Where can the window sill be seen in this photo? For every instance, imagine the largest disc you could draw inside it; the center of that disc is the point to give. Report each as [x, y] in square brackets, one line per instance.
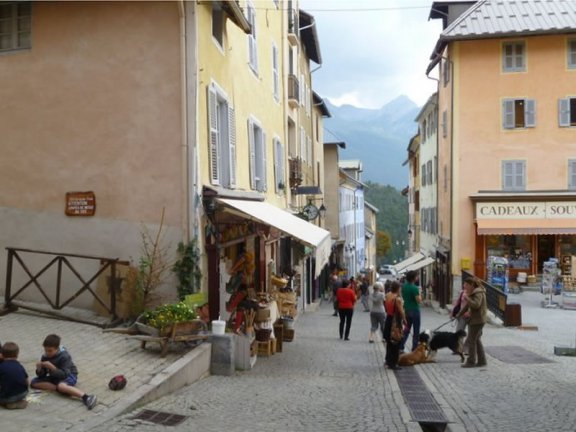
[14, 51]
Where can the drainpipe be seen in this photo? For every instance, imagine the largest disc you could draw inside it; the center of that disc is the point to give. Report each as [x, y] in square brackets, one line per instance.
[184, 124]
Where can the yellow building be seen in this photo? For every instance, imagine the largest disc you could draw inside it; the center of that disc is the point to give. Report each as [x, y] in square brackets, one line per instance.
[506, 143]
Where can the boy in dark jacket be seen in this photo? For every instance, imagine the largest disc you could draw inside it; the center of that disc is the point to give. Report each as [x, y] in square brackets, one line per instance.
[13, 379]
[56, 371]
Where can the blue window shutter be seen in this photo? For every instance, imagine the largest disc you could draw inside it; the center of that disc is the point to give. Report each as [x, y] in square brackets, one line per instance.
[507, 175]
[529, 113]
[564, 112]
[572, 174]
[263, 170]
[252, 154]
[520, 175]
[508, 113]
[213, 136]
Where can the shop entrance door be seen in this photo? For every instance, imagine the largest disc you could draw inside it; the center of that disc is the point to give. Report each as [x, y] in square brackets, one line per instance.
[545, 250]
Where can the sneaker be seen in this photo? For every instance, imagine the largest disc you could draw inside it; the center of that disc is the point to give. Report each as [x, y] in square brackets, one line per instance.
[468, 365]
[90, 401]
[17, 405]
[371, 341]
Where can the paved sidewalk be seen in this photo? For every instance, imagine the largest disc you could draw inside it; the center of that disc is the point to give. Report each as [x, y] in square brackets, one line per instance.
[318, 383]
[98, 356]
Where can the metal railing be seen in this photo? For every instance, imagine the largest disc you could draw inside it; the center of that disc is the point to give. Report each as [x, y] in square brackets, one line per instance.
[293, 88]
[496, 298]
[55, 299]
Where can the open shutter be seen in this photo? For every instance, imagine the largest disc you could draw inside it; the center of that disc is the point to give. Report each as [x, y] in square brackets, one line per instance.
[252, 155]
[213, 136]
[423, 175]
[302, 144]
[564, 112]
[520, 175]
[263, 166]
[232, 145]
[572, 174]
[281, 166]
[529, 113]
[507, 175]
[276, 80]
[444, 123]
[508, 113]
[276, 164]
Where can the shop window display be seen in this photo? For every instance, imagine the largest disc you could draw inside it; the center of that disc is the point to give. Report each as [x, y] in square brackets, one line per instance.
[567, 245]
[515, 248]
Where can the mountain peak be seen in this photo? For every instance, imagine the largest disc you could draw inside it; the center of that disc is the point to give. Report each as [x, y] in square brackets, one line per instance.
[402, 101]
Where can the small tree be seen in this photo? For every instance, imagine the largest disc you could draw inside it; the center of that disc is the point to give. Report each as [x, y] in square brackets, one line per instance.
[187, 269]
[383, 243]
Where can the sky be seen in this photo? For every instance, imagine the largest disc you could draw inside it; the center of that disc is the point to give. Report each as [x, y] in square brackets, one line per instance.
[373, 50]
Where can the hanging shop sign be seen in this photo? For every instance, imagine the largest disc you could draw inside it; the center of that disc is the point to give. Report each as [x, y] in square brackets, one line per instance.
[526, 210]
[80, 204]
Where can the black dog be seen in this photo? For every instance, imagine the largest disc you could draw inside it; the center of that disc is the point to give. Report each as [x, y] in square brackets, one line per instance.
[454, 341]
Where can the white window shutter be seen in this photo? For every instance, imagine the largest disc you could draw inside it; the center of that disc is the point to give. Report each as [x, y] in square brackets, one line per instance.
[277, 180]
[264, 166]
[213, 135]
[275, 75]
[508, 114]
[302, 85]
[252, 155]
[564, 112]
[232, 145]
[302, 144]
[529, 113]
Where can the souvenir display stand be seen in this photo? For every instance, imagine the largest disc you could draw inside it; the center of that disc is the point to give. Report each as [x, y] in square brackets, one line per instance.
[498, 272]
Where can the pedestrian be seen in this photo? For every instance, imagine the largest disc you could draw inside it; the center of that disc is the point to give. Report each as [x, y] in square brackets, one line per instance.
[13, 378]
[475, 295]
[458, 304]
[335, 283]
[412, 300]
[57, 372]
[364, 292]
[394, 311]
[377, 312]
[353, 285]
[346, 300]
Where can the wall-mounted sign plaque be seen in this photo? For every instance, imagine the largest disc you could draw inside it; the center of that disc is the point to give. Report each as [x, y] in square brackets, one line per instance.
[80, 204]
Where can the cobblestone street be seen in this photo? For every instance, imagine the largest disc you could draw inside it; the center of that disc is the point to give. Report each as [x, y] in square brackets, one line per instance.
[323, 384]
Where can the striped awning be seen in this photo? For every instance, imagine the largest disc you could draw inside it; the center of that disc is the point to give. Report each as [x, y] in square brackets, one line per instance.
[526, 226]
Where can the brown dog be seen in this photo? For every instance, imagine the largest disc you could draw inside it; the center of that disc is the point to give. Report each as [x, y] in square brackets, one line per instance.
[419, 355]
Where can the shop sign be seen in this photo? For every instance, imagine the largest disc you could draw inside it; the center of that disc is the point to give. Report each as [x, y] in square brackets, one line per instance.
[526, 210]
[80, 204]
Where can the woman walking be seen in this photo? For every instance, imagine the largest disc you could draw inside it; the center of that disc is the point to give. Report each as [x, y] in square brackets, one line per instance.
[394, 316]
[475, 294]
[377, 312]
[346, 299]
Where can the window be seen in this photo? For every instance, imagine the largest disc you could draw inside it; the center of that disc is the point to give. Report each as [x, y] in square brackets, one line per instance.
[513, 57]
[218, 24]
[252, 42]
[279, 174]
[518, 113]
[302, 144]
[423, 175]
[446, 71]
[275, 74]
[429, 172]
[513, 175]
[15, 25]
[444, 123]
[567, 112]
[222, 141]
[257, 143]
[572, 53]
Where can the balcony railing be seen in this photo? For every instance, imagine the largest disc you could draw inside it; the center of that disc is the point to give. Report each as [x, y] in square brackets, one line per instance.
[293, 90]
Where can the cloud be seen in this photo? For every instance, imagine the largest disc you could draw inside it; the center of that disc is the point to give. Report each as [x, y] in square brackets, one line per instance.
[371, 57]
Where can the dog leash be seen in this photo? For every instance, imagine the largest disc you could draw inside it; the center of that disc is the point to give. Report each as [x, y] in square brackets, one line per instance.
[447, 322]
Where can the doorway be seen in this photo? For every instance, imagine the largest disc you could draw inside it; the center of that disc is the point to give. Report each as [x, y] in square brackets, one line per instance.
[546, 250]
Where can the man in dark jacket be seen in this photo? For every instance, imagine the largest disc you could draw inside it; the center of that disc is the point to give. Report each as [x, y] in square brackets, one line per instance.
[57, 372]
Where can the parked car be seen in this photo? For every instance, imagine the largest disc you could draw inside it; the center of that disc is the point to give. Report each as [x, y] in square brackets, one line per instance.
[386, 274]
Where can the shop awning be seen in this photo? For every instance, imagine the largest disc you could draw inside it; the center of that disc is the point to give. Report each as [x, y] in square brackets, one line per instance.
[526, 226]
[303, 231]
[401, 266]
[420, 264]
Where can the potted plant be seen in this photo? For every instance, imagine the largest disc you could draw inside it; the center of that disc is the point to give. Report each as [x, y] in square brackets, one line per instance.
[162, 320]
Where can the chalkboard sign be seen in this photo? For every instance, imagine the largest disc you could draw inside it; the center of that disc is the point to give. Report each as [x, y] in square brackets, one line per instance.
[80, 204]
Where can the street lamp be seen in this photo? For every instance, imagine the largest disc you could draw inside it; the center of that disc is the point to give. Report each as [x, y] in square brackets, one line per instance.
[322, 211]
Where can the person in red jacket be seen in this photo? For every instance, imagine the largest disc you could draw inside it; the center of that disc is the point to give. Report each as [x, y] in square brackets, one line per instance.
[346, 298]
